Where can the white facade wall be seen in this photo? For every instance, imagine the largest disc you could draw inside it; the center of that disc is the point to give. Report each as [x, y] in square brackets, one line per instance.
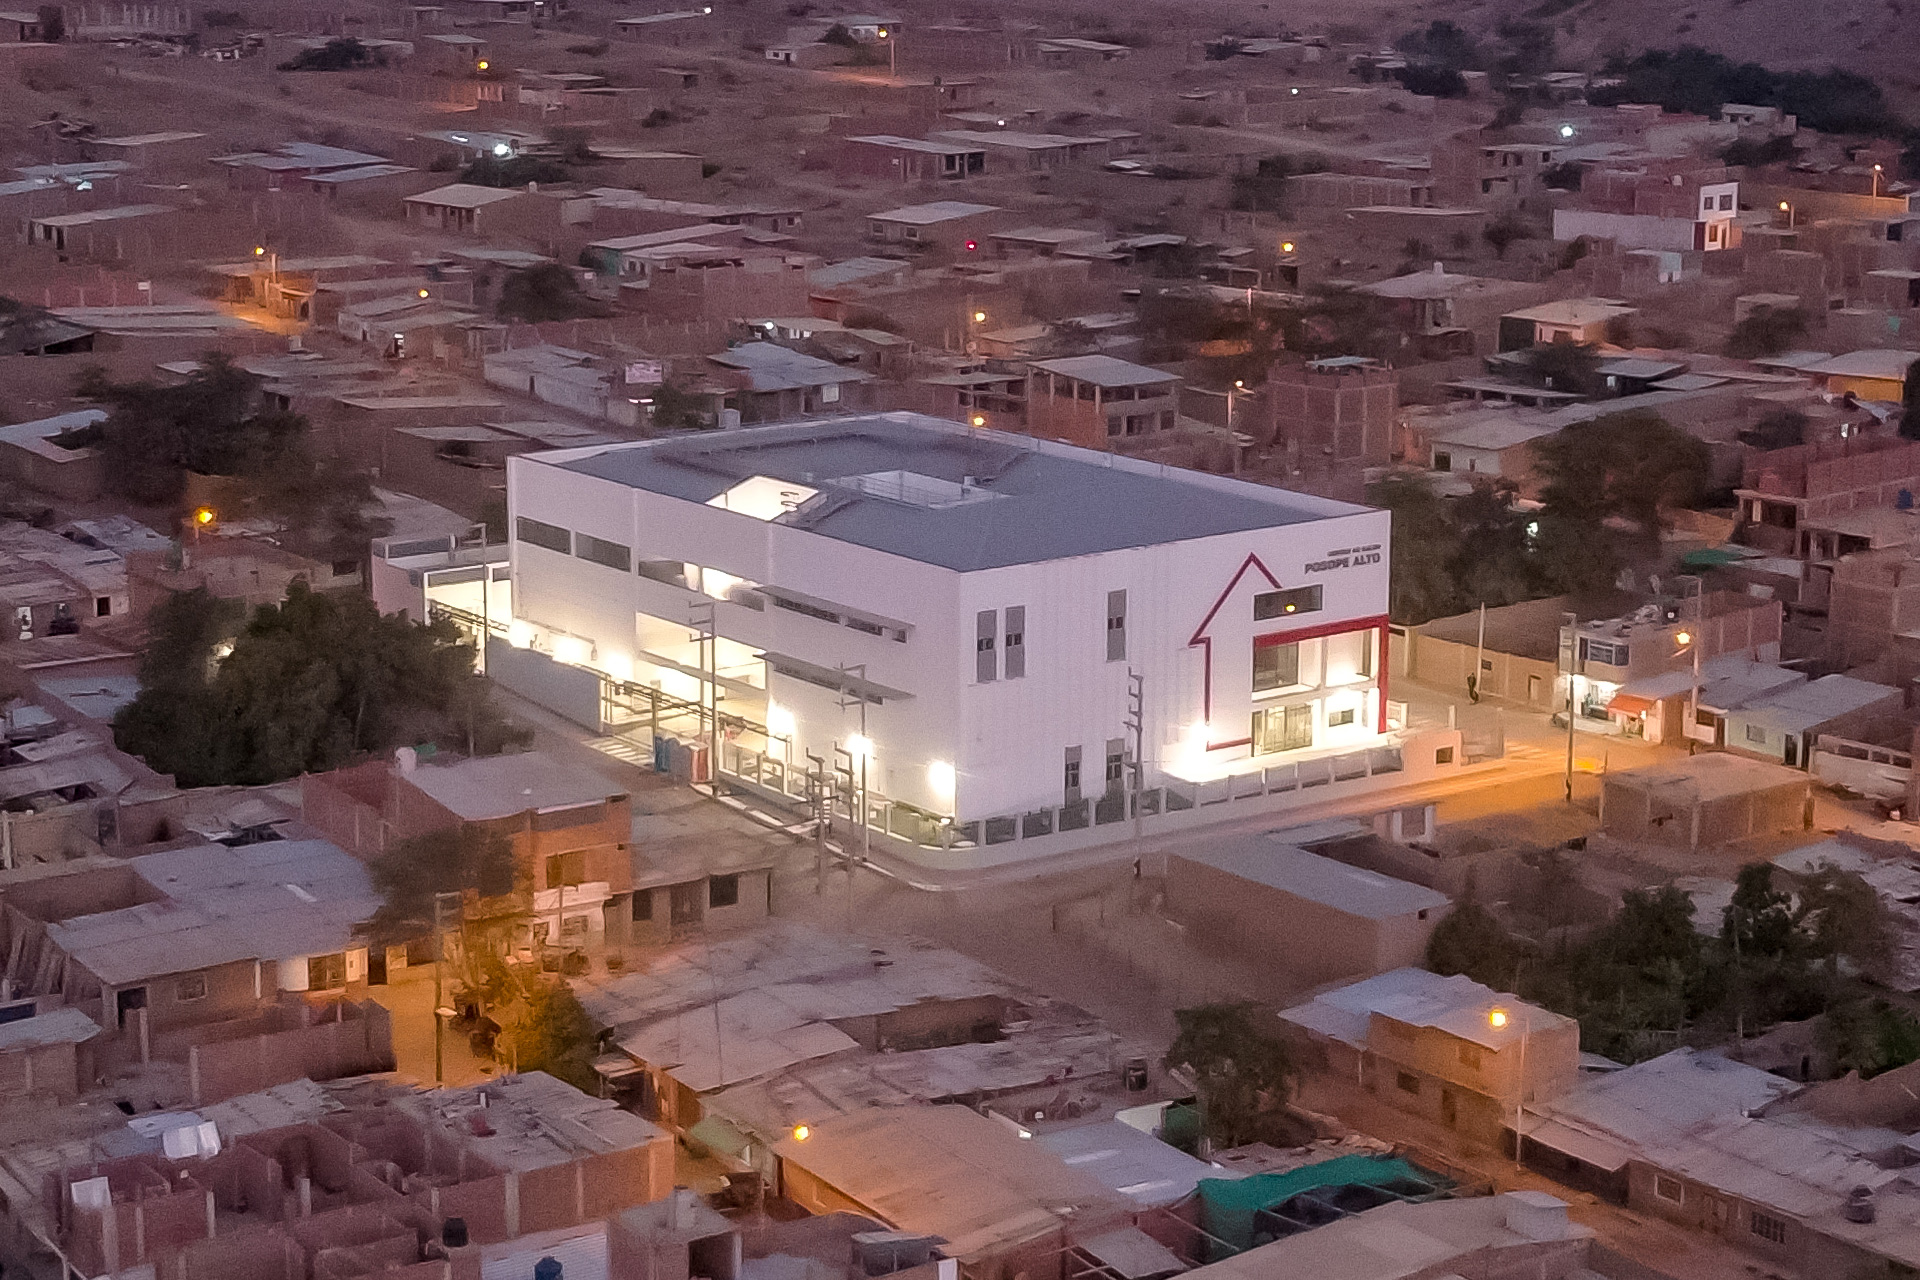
[1005, 740]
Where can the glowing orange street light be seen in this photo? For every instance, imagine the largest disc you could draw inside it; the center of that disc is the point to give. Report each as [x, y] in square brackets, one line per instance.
[203, 516]
[259, 251]
[979, 317]
[1286, 246]
[423, 293]
[482, 65]
[1497, 1019]
[801, 1133]
[979, 419]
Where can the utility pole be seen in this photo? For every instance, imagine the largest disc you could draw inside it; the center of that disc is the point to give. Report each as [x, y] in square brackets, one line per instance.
[1573, 660]
[859, 671]
[1479, 656]
[708, 635]
[1136, 724]
[821, 804]
[439, 988]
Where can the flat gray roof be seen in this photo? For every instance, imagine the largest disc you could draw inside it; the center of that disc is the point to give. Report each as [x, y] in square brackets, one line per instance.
[1106, 371]
[1039, 500]
[501, 786]
[271, 901]
[1267, 861]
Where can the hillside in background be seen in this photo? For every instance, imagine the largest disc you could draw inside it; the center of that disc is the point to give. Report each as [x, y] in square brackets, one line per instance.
[1877, 38]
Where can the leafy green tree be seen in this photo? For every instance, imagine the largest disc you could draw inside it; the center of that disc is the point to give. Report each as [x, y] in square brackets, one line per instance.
[1871, 1036]
[1759, 920]
[1766, 331]
[309, 685]
[677, 409]
[217, 423]
[545, 292]
[1502, 232]
[514, 171]
[1425, 543]
[1442, 44]
[544, 1028]
[1472, 942]
[1240, 1066]
[1845, 919]
[1429, 81]
[1632, 467]
[1692, 80]
[411, 873]
[1564, 366]
[1265, 189]
[343, 53]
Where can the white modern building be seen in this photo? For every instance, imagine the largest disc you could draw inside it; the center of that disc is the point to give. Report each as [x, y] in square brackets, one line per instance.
[967, 618]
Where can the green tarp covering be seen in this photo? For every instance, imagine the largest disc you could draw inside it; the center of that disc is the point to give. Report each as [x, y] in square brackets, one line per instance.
[1227, 1205]
[1713, 557]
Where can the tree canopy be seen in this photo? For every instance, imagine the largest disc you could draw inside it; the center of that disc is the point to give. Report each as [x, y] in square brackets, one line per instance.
[411, 873]
[1649, 979]
[545, 292]
[1695, 81]
[342, 53]
[217, 423]
[1242, 1069]
[308, 685]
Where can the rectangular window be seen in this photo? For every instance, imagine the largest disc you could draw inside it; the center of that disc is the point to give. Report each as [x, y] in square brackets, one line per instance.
[1116, 626]
[1605, 652]
[614, 555]
[1767, 1227]
[103, 605]
[1282, 729]
[1340, 719]
[1116, 763]
[1073, 774]
[327, 973]
[1756, 733]
[566, 869]
[1671, 1190]
[1726, 202]
[1015, 643]
[1275, 666]
[1442, 461]
[541, 534]
[1407, 1082]
[985, 624]
[1284, 604]
[192, 987]
[643, 904]
[723, 891]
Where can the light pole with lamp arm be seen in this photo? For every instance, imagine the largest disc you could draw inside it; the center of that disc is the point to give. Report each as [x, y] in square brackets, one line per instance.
[1498, 1019]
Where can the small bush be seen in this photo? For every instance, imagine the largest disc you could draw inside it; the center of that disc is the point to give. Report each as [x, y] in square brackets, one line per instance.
[344, 53]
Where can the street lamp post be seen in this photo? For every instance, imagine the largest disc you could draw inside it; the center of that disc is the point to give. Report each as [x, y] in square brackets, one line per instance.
[439, 989]
[1573, 660]
[1876, 182]
[1498, 1019]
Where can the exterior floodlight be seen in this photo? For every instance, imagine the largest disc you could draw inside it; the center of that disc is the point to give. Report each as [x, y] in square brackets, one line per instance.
[502, 149]
[1497, 1019]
